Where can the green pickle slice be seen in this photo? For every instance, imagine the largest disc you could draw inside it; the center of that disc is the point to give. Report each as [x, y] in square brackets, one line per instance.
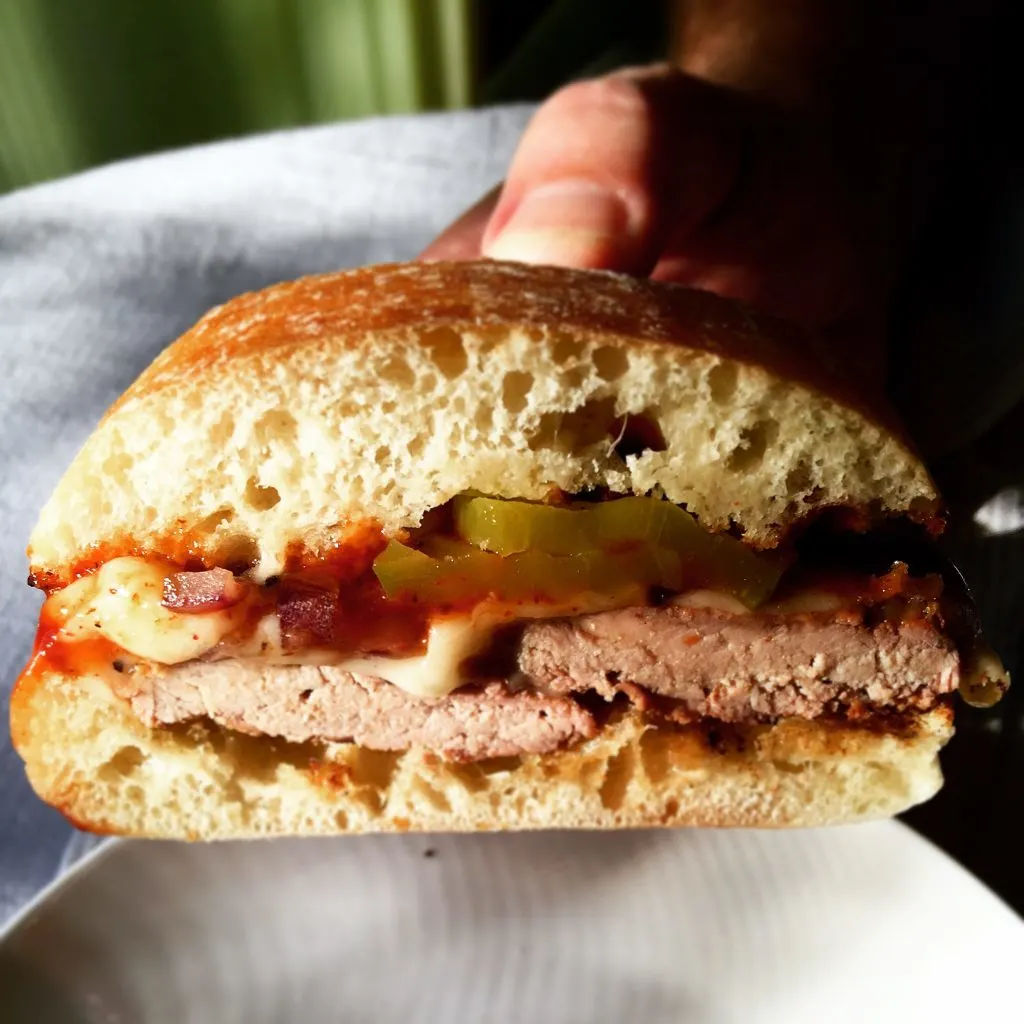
[509, 527]
[519, 551]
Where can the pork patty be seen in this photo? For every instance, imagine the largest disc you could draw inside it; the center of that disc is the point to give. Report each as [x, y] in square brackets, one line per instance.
[740, 667]
[710, 664]
[304, 702]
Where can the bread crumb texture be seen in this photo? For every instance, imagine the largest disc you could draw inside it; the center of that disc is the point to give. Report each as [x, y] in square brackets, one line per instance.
[291, 414]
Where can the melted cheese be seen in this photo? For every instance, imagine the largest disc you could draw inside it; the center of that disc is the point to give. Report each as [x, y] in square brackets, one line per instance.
[434, 674]
[454, 640]
[714, 600]
[451, 642]
[121, 601]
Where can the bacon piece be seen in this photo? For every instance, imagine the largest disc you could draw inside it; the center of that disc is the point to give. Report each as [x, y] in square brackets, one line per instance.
[307, 607]
[208, 591]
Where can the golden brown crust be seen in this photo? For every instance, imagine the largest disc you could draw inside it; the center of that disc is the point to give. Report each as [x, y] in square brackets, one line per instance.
[286, 416]
[388, 297]
[89, 756]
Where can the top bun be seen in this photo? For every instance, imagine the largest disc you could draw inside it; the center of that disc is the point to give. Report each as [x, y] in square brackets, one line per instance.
[286, 417]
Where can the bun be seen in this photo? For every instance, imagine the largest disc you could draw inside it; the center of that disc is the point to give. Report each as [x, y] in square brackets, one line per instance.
[88, 755]
[291, 415]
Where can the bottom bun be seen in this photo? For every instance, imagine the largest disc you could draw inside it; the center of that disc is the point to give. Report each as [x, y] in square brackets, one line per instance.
[88, 755]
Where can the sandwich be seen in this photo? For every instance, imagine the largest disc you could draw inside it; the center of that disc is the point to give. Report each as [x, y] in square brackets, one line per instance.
[478, 546]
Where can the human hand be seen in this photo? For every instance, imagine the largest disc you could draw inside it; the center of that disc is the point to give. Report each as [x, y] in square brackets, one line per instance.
[651, 171]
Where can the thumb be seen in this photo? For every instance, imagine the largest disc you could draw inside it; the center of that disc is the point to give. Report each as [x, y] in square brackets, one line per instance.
[607, 166]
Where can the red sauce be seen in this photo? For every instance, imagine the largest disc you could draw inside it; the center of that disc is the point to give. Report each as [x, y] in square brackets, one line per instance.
[321, 607]
[346, 559]
[50, 654]
[333, 599]
[859, 587]
[183, 549]
[189, 550]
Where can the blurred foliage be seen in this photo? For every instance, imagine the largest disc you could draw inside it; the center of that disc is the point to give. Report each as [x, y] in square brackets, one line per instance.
[83, 82]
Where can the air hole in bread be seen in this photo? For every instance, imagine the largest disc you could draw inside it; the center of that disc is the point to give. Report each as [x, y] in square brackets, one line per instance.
[117, 465]
[499, 765]
[397, 371]
[372, 799]
[617, 777]
[515, 390]
[375, 768]
[469, 775]
[566, 348]
[215, 519]
[798, 479]
[221, 431]
[258, 497]
[163, 420]
[722, 381]
[590, 423]
[233, 791]
[637, 435]
[341, 820]
[447, 351]
[545, 434]
[276, 426]
[238, 552]
[486, 339]
[123, 764]
[381, 455]
[610, 362]
[574, 376]
[754, 442]
[433, 796]
[476, 776]
[654, 755]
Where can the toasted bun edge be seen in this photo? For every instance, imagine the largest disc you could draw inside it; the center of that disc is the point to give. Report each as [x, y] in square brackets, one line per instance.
[287, 415]
[89, 756]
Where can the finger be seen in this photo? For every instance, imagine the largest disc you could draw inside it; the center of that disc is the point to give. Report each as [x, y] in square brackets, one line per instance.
[605, 164]
[461, 239]
[782, 240]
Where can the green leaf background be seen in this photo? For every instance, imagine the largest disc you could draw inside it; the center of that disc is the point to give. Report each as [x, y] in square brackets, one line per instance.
[83, 82]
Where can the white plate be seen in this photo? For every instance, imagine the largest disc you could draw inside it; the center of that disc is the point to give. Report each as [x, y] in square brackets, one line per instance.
[868, 923]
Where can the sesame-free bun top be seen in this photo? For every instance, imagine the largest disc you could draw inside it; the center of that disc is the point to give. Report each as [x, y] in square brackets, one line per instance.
[288, 416]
